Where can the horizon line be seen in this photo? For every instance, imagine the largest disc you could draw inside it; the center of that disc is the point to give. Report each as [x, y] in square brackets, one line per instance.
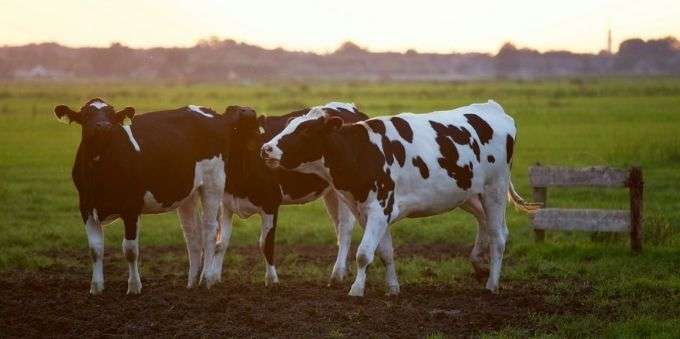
[325, 52]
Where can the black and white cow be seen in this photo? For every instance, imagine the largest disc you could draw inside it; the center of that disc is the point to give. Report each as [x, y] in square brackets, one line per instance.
[254, 188]
[165, 160]
[409, 166]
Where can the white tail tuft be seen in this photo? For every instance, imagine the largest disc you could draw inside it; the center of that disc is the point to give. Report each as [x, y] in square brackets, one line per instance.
[520, 203]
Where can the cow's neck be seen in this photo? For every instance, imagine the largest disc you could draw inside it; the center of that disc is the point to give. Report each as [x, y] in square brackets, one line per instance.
[342, 156]
[90, 164]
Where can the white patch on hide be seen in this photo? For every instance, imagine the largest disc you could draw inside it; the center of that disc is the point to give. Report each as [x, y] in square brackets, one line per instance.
[211, 167]
[98, 104]
[133, 141]
[198, 110]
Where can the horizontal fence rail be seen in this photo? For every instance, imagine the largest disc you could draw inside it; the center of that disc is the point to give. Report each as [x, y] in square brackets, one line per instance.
[582, 220]
[596, 176]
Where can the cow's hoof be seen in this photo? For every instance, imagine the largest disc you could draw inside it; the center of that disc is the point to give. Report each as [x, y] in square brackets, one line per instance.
[96, 287]
[337, 277]
[134, 286]
[192, 283]
[216, 274]
[392, 291]
[134, 289]
[271, 281]
[207, 279]
[493, 288]
[210, 282]
[356, 291]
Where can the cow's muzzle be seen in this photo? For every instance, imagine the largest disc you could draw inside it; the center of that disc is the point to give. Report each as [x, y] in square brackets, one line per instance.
[267, 154]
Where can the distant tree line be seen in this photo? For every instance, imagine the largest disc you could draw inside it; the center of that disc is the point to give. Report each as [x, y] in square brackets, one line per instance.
[216, 60]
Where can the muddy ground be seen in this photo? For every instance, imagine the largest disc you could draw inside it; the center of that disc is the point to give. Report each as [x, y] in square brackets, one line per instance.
[54, 301]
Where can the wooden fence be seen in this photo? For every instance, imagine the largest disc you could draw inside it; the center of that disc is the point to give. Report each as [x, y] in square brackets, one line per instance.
[600, 220]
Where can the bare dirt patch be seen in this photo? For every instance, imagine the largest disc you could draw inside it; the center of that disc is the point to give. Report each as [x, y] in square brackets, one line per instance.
[54, 302]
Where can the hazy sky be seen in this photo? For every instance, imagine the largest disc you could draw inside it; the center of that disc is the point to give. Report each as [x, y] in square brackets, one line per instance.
[426, 25]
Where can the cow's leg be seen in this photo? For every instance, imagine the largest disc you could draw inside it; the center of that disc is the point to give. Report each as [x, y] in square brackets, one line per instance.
[267, 242]
[344, 223]
[494, 200]
[222, 242]
[131, 253]
[376, 226]
[95, 239]
[481, 247]
[189, 217]
[211, 198]
[386, 252]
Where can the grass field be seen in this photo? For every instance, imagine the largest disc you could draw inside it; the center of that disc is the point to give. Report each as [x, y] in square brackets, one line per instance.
[581, 284]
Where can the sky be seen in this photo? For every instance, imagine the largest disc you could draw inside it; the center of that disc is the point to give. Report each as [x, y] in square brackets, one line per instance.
[321, 26]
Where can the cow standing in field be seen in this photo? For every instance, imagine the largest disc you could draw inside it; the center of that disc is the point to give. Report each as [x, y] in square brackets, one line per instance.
[164, 161]
[253, 188]
[409, 165]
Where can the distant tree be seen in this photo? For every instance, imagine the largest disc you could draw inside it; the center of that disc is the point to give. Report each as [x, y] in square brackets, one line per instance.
[507, 48]
[212, 41]
[349, 47]
[651, 56]
[175, 63]
[112, 61]
[507, 60]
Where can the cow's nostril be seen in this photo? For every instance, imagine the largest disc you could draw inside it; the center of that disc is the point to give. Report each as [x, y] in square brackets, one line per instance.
[102, 125]
[265, 151]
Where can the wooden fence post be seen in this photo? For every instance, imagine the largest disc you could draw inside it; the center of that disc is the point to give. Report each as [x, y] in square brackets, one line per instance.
[635, 186]
[540, 195]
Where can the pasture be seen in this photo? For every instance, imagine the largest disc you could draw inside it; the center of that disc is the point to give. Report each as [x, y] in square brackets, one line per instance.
[575, 284]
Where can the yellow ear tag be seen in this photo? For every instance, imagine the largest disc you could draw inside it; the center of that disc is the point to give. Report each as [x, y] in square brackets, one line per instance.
[261, 130]
[64, 119]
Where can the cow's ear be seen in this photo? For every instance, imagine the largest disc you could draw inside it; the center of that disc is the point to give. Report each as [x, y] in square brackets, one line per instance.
[127, 112]
[262, 122]
[66, 115]
[333, 122]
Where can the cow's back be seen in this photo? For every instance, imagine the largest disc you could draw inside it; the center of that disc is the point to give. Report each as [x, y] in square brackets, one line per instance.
[448, 156]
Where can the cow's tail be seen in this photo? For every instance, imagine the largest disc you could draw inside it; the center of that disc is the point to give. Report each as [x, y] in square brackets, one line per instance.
[520, 203]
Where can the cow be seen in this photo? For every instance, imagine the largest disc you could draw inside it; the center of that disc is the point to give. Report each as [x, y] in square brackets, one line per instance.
[253, 188]
[409, 166]
[163, 161]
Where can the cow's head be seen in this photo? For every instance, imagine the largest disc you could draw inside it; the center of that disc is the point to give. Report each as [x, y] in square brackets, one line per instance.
[245, 129]
[97, 119]
[302, 141]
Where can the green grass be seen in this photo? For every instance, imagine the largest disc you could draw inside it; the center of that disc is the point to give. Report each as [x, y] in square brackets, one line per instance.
[616, 122]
